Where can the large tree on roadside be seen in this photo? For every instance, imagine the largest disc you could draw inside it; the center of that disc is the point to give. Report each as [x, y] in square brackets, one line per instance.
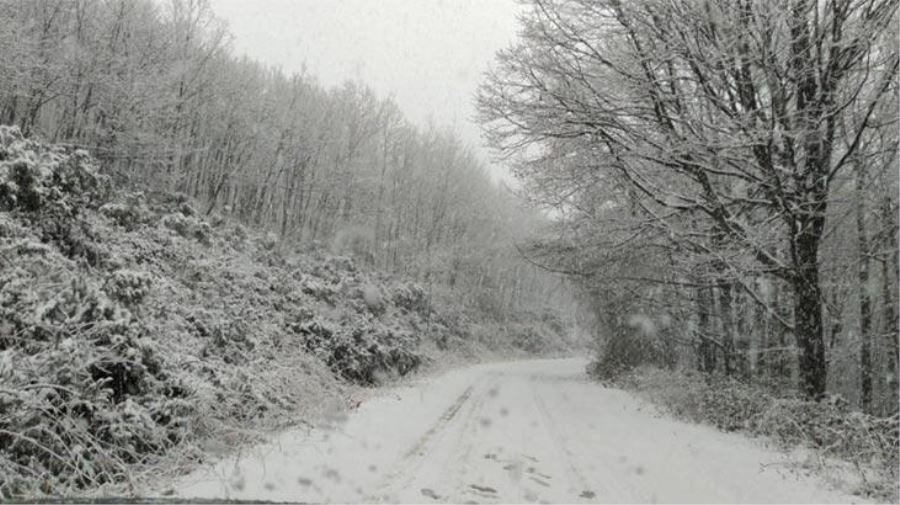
[727, 109]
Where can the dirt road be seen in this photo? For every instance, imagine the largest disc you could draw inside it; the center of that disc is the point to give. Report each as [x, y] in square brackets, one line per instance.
[528, 431]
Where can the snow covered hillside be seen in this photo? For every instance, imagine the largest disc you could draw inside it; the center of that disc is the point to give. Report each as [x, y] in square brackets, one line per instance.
[135, 332]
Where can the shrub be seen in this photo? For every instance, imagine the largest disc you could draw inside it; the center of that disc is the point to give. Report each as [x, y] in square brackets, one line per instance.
[49, 186]
[411, 297]
[361, 351]
[188, 227]
[130, 212]
[34, 176]
[527, 338]
[88, 392]
[223, 335]
[829, 426]
[318, 289]
[128, 287]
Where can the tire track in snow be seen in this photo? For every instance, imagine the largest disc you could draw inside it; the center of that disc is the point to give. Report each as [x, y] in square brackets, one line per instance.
[561, 445]
[404, 470]
[463, 450]
[614, 482]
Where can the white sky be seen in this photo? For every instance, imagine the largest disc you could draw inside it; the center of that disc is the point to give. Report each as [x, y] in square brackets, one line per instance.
[429, 54]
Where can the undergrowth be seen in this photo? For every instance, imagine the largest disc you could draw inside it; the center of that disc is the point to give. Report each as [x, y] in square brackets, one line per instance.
[830, 428]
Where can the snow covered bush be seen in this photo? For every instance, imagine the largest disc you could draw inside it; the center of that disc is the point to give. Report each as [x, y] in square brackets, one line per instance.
[829, 426]
[128, 287]
[34, 175]
[411, 297]
[362, 351]
[129, 213]
[84, 388]
[319, 289]
[527, 338]
[188, 226]
[224, 335]
[271, 241]
[49, 186]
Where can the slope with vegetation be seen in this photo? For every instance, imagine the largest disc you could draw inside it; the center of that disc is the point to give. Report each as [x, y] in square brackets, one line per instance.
[153, 91]
[135, 331]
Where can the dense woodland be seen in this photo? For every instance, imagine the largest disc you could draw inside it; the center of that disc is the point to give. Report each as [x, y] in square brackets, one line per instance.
[725, 176]
[196, 248]
[153, 90]
[195, 245]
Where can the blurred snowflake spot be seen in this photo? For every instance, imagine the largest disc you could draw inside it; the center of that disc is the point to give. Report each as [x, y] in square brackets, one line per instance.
[332, 474]
[642, 323]
[430, 493]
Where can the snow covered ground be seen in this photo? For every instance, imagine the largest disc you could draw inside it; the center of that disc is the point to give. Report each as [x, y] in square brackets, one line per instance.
[526, 431]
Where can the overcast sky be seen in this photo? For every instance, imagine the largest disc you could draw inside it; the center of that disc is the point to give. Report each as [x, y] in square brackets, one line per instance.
[429, 54]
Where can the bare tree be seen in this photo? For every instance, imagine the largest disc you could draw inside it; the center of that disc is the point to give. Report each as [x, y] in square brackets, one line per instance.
[726, 111]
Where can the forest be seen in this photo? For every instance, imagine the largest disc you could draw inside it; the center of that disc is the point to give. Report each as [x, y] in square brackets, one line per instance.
[194, 243]
[726, 173]
[725, 177]
[183, 229]
[153, 91]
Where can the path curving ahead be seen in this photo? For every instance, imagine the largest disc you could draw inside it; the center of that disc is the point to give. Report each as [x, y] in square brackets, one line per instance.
[525, 431]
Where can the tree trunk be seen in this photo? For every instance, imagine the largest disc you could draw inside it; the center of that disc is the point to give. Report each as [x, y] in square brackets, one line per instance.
[726, 299]
[763, 361]
[781, 360]
[706, 349]
[891, 322]
[809, 329]
[865, 301]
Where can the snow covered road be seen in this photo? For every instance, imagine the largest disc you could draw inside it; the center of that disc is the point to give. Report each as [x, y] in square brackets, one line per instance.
[526, 431]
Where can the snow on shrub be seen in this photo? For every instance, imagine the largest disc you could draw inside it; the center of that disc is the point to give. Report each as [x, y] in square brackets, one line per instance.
[318, 289]
[270, 241]
[225, 335]
[411, 297]
[828, 426]
[188, 227]
[527, 338]
[128, 287]
[34, 175]
[131, 212]
[88, 392]
[361, 350]
[49, 186]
